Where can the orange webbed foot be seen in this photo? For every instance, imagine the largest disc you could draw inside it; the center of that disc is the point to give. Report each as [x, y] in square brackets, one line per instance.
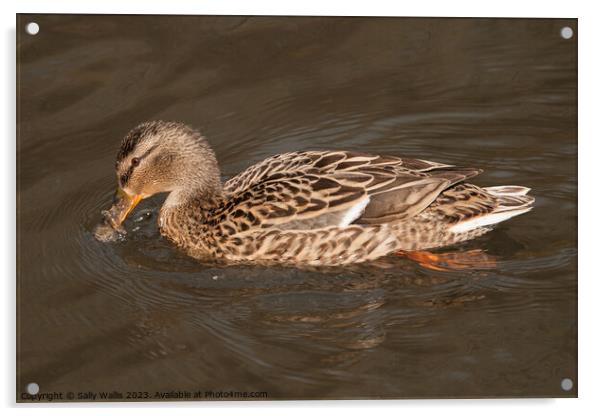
[453, 260]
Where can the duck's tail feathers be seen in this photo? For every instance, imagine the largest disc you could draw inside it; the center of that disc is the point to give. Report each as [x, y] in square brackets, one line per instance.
[508, 190]
[511, 198]
[512, 201]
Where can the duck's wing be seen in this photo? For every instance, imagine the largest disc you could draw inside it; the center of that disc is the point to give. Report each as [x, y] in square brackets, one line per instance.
[311, 190]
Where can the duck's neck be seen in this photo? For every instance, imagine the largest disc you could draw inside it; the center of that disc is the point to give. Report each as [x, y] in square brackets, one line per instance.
[188, 200]
[199, 197]
[183, 218]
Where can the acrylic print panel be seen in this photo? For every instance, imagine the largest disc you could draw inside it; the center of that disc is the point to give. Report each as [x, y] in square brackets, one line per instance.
[353, 269]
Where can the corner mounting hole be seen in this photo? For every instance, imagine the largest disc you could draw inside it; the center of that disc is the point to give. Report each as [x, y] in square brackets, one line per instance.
[566, 32]
[33, 388]
[32, 28]
[566, 384]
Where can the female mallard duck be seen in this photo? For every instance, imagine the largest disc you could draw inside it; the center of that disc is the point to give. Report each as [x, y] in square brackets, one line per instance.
[313, 207]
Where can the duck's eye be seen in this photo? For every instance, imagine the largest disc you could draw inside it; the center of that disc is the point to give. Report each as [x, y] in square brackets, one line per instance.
[135, 161]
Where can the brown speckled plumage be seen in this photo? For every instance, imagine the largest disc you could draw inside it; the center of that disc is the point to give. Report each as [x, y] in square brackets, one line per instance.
[313, 207]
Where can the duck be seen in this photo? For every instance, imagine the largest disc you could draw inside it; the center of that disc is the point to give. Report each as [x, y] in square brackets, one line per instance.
[314, 207]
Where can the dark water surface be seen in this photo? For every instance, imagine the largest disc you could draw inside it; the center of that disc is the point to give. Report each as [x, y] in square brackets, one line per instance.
[140, 316]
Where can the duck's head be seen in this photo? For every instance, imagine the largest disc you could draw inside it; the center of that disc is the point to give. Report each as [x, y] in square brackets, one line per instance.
[160, 156]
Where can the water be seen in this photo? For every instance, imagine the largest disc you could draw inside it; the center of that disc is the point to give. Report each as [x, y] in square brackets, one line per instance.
[140, 316]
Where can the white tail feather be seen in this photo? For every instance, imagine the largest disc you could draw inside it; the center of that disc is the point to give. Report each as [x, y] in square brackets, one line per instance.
[508, 190]
[489, 219]
[512, 201]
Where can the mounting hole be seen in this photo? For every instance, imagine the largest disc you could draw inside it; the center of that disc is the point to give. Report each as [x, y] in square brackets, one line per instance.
[566, 32]
[32, 28]
[566, 384]
[32, 388]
